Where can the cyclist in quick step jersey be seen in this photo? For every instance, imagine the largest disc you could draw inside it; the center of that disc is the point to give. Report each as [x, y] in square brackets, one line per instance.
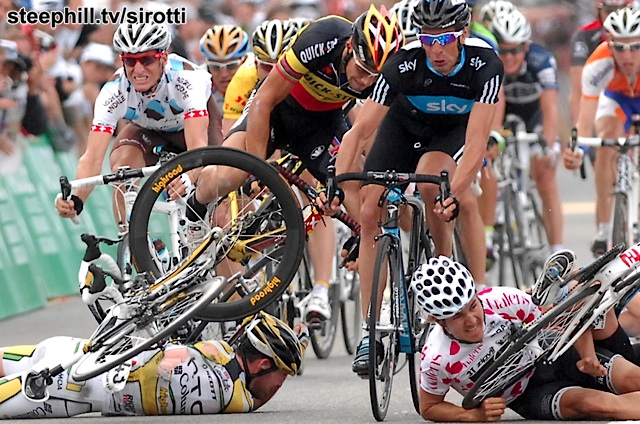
[165, 99]
[472, 327]
[432, 102]
[208, 377]
[298, 107]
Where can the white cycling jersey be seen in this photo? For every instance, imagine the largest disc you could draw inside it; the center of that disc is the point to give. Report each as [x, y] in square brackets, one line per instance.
[447, 363]
[204, 378]
[182, 93]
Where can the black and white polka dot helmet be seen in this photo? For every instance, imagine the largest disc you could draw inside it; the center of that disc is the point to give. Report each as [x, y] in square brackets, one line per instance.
[443, 287]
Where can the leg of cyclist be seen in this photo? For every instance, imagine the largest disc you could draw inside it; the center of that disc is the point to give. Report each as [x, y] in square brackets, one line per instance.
[630, 317]
[321, 244]
[68, 397]
[487, 203]
[605, 176]
[543, 173]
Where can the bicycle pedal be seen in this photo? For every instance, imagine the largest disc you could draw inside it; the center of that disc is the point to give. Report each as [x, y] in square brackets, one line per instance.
[315, 322]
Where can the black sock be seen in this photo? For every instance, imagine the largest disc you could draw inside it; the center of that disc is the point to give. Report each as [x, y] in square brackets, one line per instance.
[195, 210]
[619, 343]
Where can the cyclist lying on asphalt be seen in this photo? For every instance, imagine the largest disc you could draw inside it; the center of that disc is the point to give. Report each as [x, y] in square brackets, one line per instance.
[204, 378]
[581, 384]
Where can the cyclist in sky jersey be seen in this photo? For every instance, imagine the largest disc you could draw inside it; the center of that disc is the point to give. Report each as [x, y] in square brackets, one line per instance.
[587, 382]
[207, 377]
[165, 100]
[432, 103]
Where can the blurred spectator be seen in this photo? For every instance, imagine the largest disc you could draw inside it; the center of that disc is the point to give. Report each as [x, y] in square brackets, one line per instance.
[13, 101]
[98, 63]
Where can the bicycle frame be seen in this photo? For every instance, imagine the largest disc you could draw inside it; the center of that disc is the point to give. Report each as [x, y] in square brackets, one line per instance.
[627, 186]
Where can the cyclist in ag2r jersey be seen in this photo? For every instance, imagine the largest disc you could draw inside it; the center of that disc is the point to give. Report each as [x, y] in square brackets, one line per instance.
[166, 101]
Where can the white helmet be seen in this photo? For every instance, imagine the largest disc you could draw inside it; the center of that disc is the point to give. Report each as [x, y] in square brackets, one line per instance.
[511, 27]
[404, 11]
[443, 287]
[623, 23]
[137, 38]
[493, 9]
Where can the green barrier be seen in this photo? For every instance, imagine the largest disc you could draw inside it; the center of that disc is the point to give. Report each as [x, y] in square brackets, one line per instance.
[50, 241]
[20, 286]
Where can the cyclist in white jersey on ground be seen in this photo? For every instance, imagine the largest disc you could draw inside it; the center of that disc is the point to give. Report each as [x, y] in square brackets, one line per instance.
[472, 326]
[208, 377]
[163, 99]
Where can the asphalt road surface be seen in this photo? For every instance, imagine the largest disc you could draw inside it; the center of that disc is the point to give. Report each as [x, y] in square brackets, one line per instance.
[327, 392]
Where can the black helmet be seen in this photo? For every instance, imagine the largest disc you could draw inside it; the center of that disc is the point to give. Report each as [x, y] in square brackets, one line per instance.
[436, 14]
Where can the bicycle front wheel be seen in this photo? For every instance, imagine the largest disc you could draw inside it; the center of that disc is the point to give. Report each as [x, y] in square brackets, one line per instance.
[258, 231]
[383, 338]
[527, 347]
[116, 342]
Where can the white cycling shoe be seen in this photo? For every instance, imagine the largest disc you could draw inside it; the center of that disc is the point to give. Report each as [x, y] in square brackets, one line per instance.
[550, 287]
[318, 308]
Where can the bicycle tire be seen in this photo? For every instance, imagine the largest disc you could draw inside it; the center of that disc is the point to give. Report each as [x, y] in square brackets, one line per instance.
[515, 239]
[323, 338]
[619, 233]
[420, 253]
[348, 284]
[291, 230]
[536, 238]
[494, 379]
[386, 263]
[112, 346]
[350, 311]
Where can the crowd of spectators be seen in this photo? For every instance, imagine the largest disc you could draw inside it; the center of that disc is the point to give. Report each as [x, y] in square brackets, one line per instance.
[50, 78]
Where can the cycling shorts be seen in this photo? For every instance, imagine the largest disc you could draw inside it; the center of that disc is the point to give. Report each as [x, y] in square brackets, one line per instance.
[313, 136]
[541, 398]
[400, 148]
[611, 103]
[146, 139]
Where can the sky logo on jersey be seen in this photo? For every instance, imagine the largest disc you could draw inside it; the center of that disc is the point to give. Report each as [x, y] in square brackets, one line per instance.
[407, 65]
[442, 104]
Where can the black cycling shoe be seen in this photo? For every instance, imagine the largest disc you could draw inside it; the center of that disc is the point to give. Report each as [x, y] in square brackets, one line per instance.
[360, 363]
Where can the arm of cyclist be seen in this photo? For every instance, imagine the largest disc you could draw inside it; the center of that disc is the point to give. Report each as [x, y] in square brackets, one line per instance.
[354, 142]
[276, 88]
[435, 408]
[90, 164]
[586, 117]
[477, 134]
[550, 124]
[588, 363]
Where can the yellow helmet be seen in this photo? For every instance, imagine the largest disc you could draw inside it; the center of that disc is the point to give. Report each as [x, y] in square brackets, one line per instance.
[276, 340]
[224, 42]
[376, 36]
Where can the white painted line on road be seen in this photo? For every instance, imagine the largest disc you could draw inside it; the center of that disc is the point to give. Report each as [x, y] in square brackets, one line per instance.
[579, 208]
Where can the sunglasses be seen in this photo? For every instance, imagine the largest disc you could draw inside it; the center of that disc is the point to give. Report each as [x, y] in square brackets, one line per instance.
[145, 59]
[362, 66]
[267, 66]
[218, 66]
[442, 39]
[623, 47]
[512, 51]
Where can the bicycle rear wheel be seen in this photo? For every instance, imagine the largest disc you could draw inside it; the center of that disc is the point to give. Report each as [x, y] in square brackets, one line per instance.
[512, 253]
[261, 231]
[527, 346]
[115, 342]
[383, 339]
